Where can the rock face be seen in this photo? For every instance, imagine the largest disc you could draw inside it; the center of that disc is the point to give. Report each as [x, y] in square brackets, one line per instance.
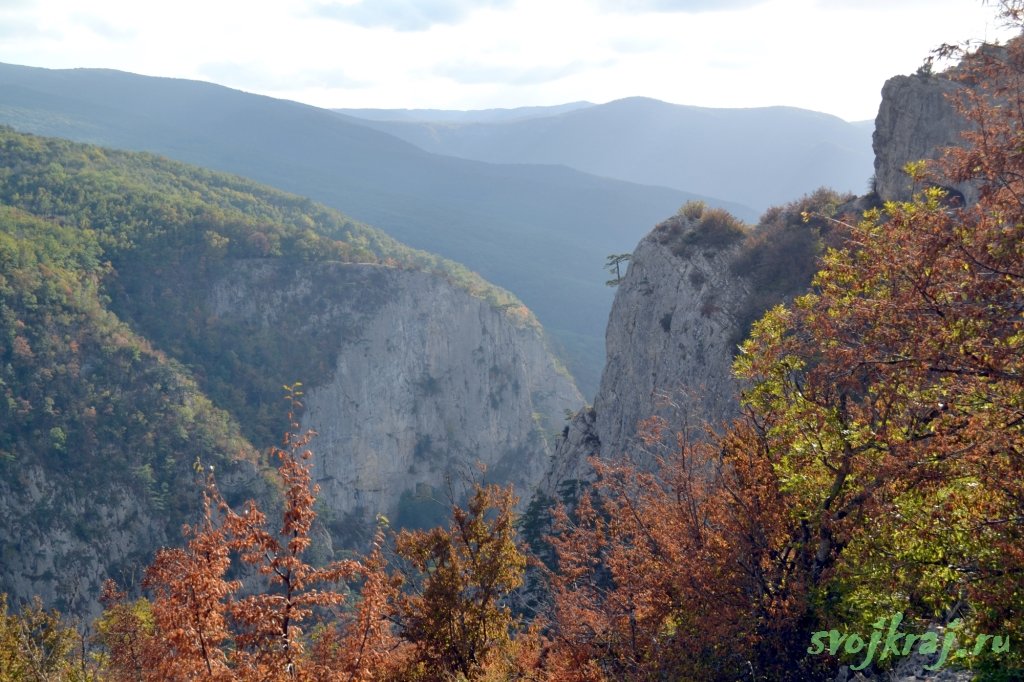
[673, 326]
[55, 560]
[670, 341]
[61, 546]
[915, 121]
[429, 381]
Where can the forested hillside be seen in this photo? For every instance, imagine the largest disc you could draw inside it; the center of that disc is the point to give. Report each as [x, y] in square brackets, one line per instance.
[517, 225]
[118, 376]
[166, 229]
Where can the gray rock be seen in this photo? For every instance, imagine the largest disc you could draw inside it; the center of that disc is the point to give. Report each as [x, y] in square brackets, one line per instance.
[61, 546]
[670, 346]
[430, 382]
[916, 120]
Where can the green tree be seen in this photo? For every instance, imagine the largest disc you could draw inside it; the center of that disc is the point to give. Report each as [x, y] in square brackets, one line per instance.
[892, 398]
[613, 265]
[454, 610]
[36, 646]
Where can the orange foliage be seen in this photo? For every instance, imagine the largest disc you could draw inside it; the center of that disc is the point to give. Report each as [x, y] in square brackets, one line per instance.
[879, 467]
[686, 571]
[200, 627]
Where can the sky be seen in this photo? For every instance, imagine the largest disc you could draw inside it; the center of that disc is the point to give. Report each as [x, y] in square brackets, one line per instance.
[827, 55]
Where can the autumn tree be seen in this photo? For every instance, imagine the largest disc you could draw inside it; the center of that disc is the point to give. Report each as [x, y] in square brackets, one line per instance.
[190, 633]
[37, 645]
[680, 571]
[362, 645]
[202, 625]
[269, 632]
[453, 607]
[125, 633]
[879, 465]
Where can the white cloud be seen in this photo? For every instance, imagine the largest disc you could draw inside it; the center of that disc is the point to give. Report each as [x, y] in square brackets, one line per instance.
[683, 6]
[404, 15]
[474, 73]
[102, 28]
[828, 55]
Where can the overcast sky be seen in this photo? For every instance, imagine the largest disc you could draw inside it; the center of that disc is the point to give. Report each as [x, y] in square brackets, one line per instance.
[826, 55]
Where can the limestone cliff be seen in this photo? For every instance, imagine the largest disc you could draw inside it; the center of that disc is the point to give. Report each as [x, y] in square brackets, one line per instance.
[915, 121]
[61, 544]
[670, 342]
[670, 338]
[428, 380]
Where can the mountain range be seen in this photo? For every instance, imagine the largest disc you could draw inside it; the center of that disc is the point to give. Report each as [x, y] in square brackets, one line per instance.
[514, 224]
[758, 157]
[540, 230]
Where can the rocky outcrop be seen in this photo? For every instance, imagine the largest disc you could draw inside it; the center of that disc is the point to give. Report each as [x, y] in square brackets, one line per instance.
[670, 343]
[674, 325]
[670, 339]
[916, 120]
[48, 539]
[428, 382]
[578, 441]
[61, 545]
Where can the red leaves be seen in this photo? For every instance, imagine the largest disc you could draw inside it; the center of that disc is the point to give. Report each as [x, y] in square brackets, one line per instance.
[201, 628]
[674, 572]
[880, 467]
[200, 625]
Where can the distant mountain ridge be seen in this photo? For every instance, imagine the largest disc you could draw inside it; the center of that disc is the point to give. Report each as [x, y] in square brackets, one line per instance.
[758, 157]
[463, 116]
[542, 232]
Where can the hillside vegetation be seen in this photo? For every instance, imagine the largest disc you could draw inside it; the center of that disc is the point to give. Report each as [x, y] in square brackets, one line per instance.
[167, 229]
[542, 232]
[114, 378]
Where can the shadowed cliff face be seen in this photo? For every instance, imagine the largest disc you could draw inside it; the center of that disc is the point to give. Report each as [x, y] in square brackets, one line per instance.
[671, 338]
[915, 121]
[62, 545]
[428, 382]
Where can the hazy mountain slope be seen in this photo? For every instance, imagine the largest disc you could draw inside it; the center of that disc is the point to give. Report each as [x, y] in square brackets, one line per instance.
[457, 116]
[758, 157]
[542, 232]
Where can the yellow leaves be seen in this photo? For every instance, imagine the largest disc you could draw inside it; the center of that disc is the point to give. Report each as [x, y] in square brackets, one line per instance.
[455, 614]
[916, 170]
